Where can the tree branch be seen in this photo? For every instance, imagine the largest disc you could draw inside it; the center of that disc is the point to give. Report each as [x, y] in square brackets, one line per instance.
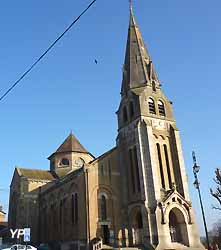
[217, 192]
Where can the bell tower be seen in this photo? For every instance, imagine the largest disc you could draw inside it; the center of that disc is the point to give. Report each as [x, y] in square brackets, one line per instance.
[156, 203]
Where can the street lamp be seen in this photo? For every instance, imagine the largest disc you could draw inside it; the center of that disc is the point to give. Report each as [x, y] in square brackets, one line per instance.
[196, 183]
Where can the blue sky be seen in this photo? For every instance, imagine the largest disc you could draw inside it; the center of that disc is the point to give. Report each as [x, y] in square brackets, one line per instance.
[68, 91]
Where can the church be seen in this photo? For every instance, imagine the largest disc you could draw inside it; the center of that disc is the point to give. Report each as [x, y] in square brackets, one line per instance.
[134, 195]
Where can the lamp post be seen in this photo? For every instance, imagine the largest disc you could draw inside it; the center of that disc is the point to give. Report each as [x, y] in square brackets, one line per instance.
[196, 183]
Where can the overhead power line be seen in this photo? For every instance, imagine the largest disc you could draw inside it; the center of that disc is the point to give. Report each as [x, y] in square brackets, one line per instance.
[46, 51]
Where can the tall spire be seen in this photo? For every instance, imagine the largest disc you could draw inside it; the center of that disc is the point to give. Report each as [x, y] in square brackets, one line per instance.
[132, 19]
[138, 70]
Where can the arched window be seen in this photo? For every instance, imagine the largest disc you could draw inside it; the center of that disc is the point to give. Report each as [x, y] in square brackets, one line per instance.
[168, 165]
[160, 165]
[103, 208]
[125, 118]
[132, 169]
[74, 214]
[136, 168]
[161, 108]
[151, 105]
[131, 109]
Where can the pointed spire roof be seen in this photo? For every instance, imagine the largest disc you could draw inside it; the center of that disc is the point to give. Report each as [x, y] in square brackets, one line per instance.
[71, 144]
[138, 70]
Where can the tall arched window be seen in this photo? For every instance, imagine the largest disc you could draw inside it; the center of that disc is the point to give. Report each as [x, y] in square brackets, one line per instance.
[160, 165]
[74, 214]
[132, 169]
[136, 168]
[168, 165]
[151, 105]
[103, 208]
[131, 109]
[125, 118]
[161, 108]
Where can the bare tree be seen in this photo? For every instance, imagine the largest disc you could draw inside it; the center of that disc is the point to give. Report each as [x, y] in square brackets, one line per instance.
[215, 233]
[217, 193]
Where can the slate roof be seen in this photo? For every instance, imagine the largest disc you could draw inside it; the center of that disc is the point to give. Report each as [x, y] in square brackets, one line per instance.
[71, 144]
[36, 174]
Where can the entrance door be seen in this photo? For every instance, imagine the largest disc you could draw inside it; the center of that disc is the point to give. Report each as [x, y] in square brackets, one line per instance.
[106, 234]
[175, 230]
[138, 229]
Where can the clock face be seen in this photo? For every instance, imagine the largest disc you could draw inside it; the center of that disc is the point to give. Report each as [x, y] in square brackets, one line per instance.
[79, 162]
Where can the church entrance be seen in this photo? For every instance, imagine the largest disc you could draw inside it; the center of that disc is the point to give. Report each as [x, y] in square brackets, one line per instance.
[175, 232]
[106, 234]
[177, 226]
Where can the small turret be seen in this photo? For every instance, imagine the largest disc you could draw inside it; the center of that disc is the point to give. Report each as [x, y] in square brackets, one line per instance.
[69, 156]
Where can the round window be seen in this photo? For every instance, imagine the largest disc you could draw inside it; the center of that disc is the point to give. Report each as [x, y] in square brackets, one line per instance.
[64, 161]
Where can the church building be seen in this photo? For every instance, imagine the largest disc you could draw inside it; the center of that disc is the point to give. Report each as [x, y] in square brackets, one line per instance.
[134, 195]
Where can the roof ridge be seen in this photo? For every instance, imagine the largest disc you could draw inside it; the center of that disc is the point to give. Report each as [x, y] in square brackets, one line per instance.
[23, 168]
[104, 154]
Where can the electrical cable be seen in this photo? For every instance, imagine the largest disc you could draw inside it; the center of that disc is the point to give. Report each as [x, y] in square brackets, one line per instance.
[46, 51]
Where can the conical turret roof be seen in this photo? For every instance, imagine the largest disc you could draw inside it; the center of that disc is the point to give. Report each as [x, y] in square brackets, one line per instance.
[71, 144]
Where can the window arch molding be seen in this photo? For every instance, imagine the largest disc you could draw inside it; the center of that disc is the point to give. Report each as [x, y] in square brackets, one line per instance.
[162, 137]
[177, 207]
[156, 137]
[102, 194]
